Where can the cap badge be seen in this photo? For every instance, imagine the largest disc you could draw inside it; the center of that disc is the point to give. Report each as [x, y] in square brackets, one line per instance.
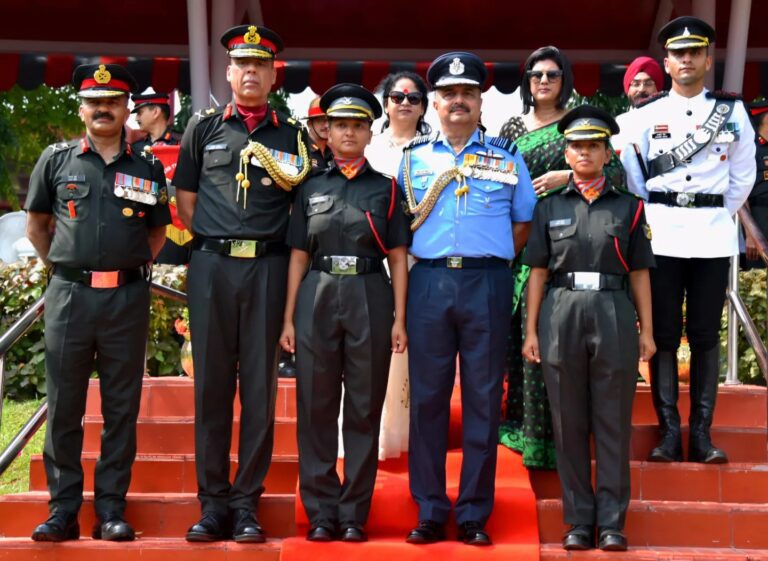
[456, 67]
[346, 100]
[102, 75]
[252, 37]
[686, 33]
[583, 123]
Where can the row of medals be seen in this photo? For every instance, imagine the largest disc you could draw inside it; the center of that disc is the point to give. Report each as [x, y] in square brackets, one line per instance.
[479, 171]
[136, 196]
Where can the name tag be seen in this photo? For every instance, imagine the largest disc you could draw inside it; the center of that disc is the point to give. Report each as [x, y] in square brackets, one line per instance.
[212, 147]
[318, 199]
[423, 172]
[560, 222]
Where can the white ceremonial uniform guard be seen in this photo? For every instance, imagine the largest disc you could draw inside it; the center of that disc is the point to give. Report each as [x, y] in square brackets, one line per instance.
[690, 153]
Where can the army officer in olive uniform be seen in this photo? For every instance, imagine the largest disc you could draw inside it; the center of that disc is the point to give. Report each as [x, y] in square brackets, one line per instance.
[344, 222]
[237, 167]
[592, 243]
[97, 213]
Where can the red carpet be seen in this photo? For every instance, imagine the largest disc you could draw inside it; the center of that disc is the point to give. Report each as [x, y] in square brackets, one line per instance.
[513, 525]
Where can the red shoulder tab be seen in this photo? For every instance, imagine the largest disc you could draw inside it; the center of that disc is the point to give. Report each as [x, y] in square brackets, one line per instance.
[275, 120]
[84, 145]
[128, 148]
[392, 200]
[227, 111]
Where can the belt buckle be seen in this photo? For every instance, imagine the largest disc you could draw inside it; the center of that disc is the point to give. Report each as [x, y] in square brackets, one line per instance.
[454, 262]
[343, 264]
[105, 279]
[243, 249]
[683, 199]
[586, 281]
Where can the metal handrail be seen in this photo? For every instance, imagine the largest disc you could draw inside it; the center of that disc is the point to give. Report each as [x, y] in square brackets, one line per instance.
[737, 311]
[19, 328]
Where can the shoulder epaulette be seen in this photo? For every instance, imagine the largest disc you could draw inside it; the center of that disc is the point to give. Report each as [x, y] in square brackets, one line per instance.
[284, 118]
[723, 95]
[653, 98]
[546, 194]
[210, 112]
[630, 193]
[419, 140]
[502, 142]
[61, 146]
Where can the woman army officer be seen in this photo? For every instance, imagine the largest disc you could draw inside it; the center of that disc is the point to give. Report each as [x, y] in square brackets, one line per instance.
[591, 243]
[348, 317]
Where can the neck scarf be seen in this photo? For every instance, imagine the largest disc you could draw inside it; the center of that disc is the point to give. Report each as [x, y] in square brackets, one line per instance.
[252, 116]
[590, 189]
[350, 167]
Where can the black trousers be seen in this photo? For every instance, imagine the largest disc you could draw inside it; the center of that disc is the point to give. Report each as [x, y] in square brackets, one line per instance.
[89, 329]
[343, 336]
[702, 284]
[236, 314]
[589, 354]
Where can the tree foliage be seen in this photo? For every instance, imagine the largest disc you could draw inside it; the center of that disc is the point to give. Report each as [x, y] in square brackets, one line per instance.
[30, 120]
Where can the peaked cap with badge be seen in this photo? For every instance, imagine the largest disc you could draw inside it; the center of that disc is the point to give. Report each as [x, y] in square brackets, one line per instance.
[686, 32]
[102, 80]
[457, 68]
[245, 41]
[350, 101]
[587, 122]
[156, 98]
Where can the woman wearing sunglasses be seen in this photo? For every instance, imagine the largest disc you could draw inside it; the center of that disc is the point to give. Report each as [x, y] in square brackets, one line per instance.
[343, 317]
[545, 90]
[405, 103]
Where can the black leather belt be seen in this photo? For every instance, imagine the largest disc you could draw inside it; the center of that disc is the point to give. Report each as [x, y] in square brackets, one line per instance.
[687, 200]
[465, 262]
[244, 249]
[346, 264]
[101, 279]
[588, 281]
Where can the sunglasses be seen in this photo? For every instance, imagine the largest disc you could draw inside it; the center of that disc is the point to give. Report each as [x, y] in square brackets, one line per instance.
[414, 98]
[537, 75]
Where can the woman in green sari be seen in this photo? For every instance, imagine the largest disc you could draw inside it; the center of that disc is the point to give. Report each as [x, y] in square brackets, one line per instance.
[546, 88]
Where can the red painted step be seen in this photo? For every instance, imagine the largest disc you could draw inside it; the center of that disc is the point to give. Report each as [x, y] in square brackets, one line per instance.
[175, 435]
[552, 552]
[727, 483]
[143, 549]
[676, 524]
[174, 397]
[737, 406]
[173, 473]
[151, 514]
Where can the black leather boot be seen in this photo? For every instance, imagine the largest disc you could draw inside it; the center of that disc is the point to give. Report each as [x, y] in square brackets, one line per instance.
[705, 376]
[664, 389]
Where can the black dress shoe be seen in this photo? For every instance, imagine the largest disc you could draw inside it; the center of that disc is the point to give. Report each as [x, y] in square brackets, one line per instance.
[353, 534]
[612, 539]
[61, 525]
[246, 527]
[428, 531]
[212, 527]
[472, 533]
[579, 537]
[711, 455]
[320, 534]
[113, 527]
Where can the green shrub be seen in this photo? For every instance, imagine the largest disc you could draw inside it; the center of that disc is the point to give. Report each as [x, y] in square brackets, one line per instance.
[22, 283]
[752, 289]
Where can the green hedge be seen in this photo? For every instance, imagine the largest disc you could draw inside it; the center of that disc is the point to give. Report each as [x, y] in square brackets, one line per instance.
[22, 283]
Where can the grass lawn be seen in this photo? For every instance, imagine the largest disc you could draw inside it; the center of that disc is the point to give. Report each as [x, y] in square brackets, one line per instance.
[15, 414]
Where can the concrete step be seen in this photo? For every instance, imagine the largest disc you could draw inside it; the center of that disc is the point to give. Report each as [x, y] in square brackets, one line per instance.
[166, 515]
[143, 549]
[676, 524]
[727, 483]
[173, 473]
[176, 435]
[552, 552]
[175, 397]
